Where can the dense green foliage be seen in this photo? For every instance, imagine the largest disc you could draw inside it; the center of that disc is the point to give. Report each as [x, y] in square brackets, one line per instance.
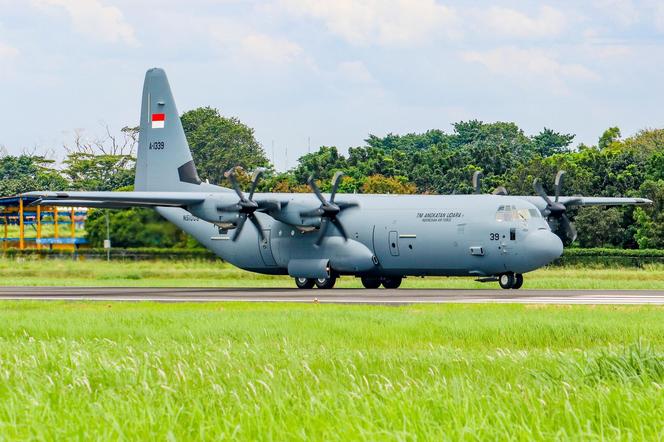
[194, 270]
[218, 143]
[314, 372]
[434, 162]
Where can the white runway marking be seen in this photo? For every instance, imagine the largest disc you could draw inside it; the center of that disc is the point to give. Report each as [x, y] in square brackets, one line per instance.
[345, 296]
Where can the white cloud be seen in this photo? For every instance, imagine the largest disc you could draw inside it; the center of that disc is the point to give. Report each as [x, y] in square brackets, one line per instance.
[509, 22]
[384, 22]
[622, 12]
[7, 51]
[529, 64]
[7, 55]
[355, 71]
[245, 43]
[92, 18]
[271, 49]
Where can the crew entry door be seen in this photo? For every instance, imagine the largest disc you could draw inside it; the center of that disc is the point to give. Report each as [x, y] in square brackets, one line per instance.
[265, 246]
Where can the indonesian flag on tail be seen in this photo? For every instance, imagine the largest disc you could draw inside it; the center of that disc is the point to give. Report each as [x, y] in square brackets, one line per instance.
[158, 121]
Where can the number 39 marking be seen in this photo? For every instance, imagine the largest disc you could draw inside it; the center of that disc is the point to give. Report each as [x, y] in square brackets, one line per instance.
[157, 145]
[494, 236]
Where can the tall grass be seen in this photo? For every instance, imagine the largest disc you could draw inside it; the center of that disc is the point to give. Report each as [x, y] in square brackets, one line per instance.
[61, 272]
[323, 372]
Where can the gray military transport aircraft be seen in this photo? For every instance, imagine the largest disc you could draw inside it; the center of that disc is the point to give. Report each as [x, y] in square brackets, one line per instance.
[317, 237]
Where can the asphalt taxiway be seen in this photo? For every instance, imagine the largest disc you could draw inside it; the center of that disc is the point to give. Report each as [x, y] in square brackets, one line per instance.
[343, 296]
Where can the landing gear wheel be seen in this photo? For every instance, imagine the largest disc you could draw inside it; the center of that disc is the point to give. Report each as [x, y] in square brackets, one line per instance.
[326, 283]
[304, 283]
[506, 280]
[392, 283]
[518, 281]
[370, 283]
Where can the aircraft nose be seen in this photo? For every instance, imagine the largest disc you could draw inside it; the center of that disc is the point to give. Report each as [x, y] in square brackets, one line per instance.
[543, 247]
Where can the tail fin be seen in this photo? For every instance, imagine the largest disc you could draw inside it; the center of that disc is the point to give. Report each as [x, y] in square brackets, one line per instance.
[164, 161]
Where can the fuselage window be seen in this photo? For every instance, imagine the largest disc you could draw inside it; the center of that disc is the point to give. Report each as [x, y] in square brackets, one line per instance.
[535, 213]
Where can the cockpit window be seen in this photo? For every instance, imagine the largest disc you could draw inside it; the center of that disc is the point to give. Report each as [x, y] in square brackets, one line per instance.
[535, 213]
[511, 213]
[506, 213]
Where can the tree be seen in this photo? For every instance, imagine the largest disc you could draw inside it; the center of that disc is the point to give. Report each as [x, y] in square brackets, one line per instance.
[548, 142]
[609, 136]
[650, 219]
[599, 227]
[103, 164]
[320, 164]
[24, 173]
[219, 143]
[134, 227]
[381, 184]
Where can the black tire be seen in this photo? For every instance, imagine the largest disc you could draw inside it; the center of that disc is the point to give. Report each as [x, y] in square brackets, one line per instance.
[518, 281]
[326, 283]
[304, 283]
[392, 283]
[370, 283]
[506, 280]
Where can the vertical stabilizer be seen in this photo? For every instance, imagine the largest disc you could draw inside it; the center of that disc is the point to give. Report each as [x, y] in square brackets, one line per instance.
[164, 161]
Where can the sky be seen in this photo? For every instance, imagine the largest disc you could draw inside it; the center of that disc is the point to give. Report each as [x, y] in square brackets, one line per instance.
[309, 73]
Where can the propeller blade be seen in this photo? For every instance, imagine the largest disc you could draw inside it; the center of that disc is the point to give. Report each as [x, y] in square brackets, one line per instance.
[36, 202]
[254, 181]
[314, 187]
[312, 213]
[344, 206]
[240, 225]
[231, 176]
[570, 230]
[500, 190]
[340, 226]
[335, 184]
[477, 182]
[269, 206]
[573, 202]
[537, 185]
[258, 226]
[559, 183]
[323, 231]
[231, 208]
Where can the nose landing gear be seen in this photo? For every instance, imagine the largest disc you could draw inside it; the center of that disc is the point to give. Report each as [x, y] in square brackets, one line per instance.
[510, 280]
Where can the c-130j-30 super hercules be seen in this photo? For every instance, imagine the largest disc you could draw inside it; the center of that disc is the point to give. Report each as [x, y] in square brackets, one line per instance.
[318, 237]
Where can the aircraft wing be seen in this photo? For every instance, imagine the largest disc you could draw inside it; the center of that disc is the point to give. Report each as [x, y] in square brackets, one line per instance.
[588, 201]
[116, 200]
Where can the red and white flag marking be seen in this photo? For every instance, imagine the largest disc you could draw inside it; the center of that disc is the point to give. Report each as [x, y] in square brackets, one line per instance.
[158, 121]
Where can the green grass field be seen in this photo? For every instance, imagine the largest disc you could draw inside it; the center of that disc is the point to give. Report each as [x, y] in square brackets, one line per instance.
[59, 272]
[144, 371]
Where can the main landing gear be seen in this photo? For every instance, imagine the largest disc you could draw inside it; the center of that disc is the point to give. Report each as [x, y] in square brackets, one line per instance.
[510, 280]
[321, 283]
[387, 282]
[367, 282]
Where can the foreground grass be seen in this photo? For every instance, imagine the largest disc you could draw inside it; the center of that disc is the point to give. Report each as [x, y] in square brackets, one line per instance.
[323, 372]
[36, 272]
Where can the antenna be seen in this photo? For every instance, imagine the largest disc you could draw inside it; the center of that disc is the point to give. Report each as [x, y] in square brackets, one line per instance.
[286, 147]
[273, 155]
[308, 144]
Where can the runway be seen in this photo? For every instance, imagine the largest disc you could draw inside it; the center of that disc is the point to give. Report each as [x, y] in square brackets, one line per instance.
[338, 296]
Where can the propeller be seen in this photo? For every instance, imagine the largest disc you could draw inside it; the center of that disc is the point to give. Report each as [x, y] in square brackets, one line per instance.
[557, 210]
[477, 185]
[328, 209]
[477, 182]
[246, 207]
